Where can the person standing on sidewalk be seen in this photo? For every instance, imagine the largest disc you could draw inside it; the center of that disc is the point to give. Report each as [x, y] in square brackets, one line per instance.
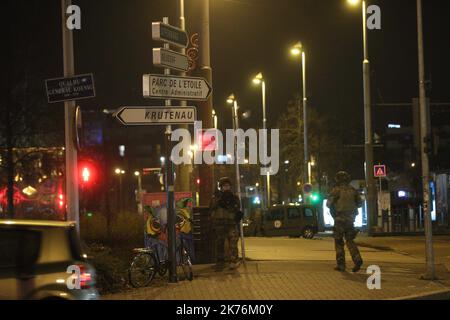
[225, 212]
[344, 202]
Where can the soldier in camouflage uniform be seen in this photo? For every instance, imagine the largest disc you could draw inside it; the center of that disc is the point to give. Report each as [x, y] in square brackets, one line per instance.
[344, 202]
[225, 215]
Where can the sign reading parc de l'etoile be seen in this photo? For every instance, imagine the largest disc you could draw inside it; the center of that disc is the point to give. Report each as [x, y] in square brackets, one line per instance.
[73, 88]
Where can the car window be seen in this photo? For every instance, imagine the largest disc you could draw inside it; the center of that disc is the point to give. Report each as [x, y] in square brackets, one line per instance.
[276, 214]
[294, 213]
[309, 213]
[19, 247]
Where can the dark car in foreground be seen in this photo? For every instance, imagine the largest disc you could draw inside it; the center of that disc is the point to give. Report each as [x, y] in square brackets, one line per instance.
[42, 260]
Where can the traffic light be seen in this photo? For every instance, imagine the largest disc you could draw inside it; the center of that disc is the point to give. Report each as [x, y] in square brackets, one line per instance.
[198, 181]
[315, 198]
[87, 174]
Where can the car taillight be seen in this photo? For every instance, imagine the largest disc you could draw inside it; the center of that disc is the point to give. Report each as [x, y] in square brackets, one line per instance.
[86, 278]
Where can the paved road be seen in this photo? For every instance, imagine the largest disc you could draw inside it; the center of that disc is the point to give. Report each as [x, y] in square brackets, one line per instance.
[411, 245]
[318, 249]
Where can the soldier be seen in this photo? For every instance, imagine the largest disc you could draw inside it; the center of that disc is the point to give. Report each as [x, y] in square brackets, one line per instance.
[344, 202]
[225, 207]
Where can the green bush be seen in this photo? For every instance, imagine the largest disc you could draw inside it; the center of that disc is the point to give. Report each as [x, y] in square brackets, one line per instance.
[110, 251]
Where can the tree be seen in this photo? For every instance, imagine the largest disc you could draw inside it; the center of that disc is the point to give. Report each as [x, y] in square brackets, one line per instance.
[324, 144]
[27, 120]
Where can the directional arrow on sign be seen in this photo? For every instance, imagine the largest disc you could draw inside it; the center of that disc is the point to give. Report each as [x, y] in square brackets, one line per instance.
[170, 59]
[177, 88]
[139, 116]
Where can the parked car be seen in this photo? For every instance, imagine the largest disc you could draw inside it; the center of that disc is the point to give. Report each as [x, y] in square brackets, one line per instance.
[34, 260]
[287, 220]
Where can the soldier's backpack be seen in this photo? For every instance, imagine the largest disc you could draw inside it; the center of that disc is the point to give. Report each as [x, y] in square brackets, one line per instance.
[347, 200]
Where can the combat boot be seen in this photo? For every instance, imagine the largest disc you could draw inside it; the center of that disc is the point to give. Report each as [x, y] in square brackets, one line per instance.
[340, 268]
[357, 266]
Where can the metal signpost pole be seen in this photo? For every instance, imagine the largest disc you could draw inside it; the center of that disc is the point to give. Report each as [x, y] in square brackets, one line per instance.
[171, 214]
[72, 208]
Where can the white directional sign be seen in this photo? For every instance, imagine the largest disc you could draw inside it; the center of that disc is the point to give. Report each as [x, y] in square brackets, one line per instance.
[177, 88]
[147, 116]
[170, 59]
[170, 34]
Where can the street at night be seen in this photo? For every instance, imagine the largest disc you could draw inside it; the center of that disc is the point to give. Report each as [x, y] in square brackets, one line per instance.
[240, 152]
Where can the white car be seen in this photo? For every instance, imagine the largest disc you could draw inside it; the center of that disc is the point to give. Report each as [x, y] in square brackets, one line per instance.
[35, 257]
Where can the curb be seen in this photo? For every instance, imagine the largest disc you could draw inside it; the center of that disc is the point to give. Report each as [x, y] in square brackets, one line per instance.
[434, 295]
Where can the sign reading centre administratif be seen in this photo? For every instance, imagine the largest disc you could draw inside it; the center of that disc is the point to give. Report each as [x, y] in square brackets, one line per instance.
[67, 89]
[173, 87]
[139, 116]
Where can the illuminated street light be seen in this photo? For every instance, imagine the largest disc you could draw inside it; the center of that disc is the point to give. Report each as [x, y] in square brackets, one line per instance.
[259, 80]
[368, 132]
[117, 171]
[137, 173]
[298, 51]
[353, 2]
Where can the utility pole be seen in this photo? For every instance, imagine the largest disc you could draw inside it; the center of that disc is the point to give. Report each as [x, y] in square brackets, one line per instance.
[430, 272]
[368, 147]
[238, 177]
[72, 207]
[205, 108]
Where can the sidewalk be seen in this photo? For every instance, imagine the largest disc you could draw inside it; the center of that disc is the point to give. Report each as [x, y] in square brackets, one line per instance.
[292, 280]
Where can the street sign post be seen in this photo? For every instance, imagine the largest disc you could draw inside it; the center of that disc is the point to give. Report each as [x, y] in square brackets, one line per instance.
[141, 116]
[170, 59]
[170, 34]
[380, 171]
[177, 88]
[70, 89]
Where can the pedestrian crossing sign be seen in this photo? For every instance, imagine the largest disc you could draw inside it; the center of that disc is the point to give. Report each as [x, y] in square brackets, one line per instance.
[380, 171]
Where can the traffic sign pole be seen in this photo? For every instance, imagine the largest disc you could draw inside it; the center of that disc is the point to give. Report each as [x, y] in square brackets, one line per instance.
[171, 214]
[72, 200]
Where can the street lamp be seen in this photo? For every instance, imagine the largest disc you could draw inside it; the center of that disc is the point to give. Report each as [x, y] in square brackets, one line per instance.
[232, 101]
[259, 80]
[297, 51]
[137, 174]
[368, 146]
[120, 172]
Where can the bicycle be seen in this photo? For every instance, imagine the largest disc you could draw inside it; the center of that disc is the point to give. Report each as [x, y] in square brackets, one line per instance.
[146, 263]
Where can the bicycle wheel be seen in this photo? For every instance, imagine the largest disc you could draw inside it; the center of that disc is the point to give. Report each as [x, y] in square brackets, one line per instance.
[186, 265]
[142, 270]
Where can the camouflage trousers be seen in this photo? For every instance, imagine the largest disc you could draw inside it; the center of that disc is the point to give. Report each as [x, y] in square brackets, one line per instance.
[226, 241]
[344, 229]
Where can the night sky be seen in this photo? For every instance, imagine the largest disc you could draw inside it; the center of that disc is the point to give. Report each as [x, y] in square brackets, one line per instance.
[249, 36]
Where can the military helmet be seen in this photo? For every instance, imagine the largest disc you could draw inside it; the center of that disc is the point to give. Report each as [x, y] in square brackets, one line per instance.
[223, 181]
[343, 177]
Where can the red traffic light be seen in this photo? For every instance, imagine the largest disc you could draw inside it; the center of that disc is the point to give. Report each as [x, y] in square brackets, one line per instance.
[87, 173]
